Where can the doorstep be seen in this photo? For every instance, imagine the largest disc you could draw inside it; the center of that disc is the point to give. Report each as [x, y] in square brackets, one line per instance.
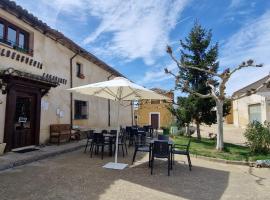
[12, 159]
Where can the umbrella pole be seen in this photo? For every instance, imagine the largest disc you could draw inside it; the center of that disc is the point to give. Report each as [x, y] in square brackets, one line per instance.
[117, 134]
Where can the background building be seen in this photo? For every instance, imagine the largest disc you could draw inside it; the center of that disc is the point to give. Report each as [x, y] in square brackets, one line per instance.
[37, 66]
[253, 107]
[154, 112]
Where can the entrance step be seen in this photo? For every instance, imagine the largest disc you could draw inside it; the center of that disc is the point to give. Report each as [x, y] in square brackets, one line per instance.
[13, 159]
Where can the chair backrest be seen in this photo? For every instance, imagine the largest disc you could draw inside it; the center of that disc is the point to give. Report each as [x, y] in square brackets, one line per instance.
[146, 128]
[113, 132]
[98, 138]
[161, 149]
[104, 131]
[163, 137]
[128, 129]
[90, 134]
[140, 140]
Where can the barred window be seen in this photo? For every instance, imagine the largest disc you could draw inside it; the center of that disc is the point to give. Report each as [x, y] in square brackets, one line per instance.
[81, 109]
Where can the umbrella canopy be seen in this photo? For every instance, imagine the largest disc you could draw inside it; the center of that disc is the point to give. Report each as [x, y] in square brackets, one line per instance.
[118, 89]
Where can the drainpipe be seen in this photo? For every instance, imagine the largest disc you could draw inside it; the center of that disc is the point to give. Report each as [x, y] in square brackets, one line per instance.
[109, 106]
[132, 114]
[71, 85]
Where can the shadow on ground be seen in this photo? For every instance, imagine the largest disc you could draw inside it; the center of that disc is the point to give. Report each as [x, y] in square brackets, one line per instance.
[77, 176]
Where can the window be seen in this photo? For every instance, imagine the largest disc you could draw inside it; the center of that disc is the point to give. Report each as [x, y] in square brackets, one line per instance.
[254, 112]
[21, 40]
[1, 31]
[14, 36]
[79, 70]
[81, 109]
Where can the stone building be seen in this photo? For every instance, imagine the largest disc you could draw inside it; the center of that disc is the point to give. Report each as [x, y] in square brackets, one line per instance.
[154, 112]
[253, 107]
[37, 66]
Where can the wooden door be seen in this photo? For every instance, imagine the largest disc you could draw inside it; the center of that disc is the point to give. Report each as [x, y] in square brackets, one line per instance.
[24, 120]
[155, 121]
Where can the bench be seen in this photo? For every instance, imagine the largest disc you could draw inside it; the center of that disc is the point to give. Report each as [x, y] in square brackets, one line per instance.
[60, 132]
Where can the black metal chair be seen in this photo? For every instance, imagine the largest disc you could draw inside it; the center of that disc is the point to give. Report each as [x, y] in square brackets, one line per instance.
[161, 149]
[141, 146]
[133, 132]
[98, 141]
[182, 149]
[113, 132]
[163, 137]
[122, 142]
[104, 131]
[151, 131]
[89, 137]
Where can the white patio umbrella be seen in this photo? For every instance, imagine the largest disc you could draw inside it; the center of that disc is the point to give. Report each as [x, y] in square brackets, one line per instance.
[118, 89]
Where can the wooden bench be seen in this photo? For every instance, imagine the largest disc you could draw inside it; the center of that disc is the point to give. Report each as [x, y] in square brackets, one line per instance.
[60, 132]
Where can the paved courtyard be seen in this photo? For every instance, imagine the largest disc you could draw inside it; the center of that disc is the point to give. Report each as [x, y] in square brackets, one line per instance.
[231, 133]
[76, 176]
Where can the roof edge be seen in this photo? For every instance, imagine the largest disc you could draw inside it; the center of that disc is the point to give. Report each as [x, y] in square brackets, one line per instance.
[22, 14]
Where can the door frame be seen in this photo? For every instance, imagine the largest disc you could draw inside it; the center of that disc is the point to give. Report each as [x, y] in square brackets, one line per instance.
[158, 113]
[14, 87]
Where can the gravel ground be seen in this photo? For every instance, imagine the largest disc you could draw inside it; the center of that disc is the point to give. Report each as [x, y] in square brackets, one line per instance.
[77, 176]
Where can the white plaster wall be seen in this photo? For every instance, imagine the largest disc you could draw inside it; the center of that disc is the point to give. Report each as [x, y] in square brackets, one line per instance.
[240, 109]
[56, 61]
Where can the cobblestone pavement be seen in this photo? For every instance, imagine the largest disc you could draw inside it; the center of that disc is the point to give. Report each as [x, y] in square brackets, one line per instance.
[77, 176]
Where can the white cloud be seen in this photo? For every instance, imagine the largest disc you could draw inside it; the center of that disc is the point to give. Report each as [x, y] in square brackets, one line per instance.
[236, 3]
[252, 41]
[139, 28]
[156, 77]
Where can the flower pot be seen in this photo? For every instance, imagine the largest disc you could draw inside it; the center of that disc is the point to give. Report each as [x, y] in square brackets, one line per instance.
[2, 148]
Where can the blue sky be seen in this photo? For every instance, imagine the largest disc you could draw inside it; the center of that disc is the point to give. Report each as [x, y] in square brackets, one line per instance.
[132, 35]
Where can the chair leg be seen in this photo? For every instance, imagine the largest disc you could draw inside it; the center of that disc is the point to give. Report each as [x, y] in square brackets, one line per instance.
[152, 164]
[134, 155]
[126, 148]
[189, 162]
[123, 150]
[86, 146]
[91, 149]
[169, 165]
[102, 151]
[149, 163]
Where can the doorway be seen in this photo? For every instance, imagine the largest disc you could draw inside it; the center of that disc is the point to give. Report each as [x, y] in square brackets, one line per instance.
[22, 116]
[24, 120]
[154, 117]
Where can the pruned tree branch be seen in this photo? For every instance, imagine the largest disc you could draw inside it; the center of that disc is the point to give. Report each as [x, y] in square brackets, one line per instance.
[248, 63]
[169, 51]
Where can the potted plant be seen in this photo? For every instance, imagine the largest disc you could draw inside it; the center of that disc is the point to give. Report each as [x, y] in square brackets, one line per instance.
[2, 148]
[166, 131]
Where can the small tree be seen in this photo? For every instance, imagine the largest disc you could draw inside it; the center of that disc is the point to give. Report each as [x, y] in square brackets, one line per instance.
[183, 112]
[217, 83]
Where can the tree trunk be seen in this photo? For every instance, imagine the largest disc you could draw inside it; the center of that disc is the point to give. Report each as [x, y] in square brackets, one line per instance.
[198, 131]
[219, 112]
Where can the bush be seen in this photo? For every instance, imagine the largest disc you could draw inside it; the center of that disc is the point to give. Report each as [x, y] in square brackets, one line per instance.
[258, 137]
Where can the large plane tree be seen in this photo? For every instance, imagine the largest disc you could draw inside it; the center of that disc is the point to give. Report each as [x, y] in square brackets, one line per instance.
[216, 84]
